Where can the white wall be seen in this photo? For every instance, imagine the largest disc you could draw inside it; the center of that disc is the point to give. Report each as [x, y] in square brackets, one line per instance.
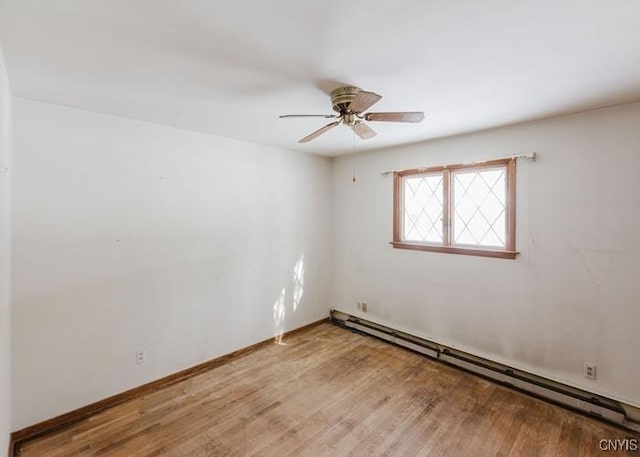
[131, 235]
[571, 295]
[5, 250]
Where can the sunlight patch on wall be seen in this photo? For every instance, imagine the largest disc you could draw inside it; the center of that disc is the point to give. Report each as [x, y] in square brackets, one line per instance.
[279, 312]
[298, 282]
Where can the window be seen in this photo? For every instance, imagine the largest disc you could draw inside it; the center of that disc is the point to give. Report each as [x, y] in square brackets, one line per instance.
[459, 209]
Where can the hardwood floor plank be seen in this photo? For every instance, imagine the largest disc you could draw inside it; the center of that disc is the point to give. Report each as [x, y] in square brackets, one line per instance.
[330, 392]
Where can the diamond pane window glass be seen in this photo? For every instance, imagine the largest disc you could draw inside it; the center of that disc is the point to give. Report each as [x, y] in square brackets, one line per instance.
[479, 207]
[422, 219]
[464, 209]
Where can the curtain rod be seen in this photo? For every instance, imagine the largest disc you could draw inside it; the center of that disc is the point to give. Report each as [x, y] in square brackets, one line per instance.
[531, 156]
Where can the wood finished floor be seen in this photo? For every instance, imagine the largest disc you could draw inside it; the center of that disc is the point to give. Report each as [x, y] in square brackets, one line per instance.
[330, 392]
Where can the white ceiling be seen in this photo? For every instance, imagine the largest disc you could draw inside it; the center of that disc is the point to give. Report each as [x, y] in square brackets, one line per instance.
[230, 68]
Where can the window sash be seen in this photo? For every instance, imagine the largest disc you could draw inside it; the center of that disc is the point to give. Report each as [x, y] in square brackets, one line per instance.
[447, 244]
[490, 221]
[411, 222]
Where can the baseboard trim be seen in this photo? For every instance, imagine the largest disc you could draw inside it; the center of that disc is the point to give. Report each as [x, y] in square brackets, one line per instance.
[19, 437]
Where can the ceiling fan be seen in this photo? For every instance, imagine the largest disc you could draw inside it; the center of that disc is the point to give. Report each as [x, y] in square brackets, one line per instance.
[350, 104]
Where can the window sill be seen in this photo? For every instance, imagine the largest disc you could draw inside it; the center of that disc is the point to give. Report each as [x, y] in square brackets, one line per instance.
[495, 253]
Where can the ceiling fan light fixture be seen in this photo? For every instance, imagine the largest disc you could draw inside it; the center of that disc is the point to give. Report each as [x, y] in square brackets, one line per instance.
[350, 104]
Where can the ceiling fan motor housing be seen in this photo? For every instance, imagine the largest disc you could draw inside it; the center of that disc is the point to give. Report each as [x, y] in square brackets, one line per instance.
[342, 97]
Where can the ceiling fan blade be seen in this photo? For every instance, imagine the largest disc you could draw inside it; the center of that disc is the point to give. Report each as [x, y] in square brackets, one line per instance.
[414, 116]
[363, 101]
[363, 130]
[318, 132]
[326, 116]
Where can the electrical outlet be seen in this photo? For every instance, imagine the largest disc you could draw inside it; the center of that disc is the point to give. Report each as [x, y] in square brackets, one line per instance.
[140, 356]
[362, 306]
[590, 370]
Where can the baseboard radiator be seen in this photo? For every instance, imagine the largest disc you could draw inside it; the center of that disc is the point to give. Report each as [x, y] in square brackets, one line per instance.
[562, 394]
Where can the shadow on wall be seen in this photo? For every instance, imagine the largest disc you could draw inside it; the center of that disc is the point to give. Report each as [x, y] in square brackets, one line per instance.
[279, 306]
